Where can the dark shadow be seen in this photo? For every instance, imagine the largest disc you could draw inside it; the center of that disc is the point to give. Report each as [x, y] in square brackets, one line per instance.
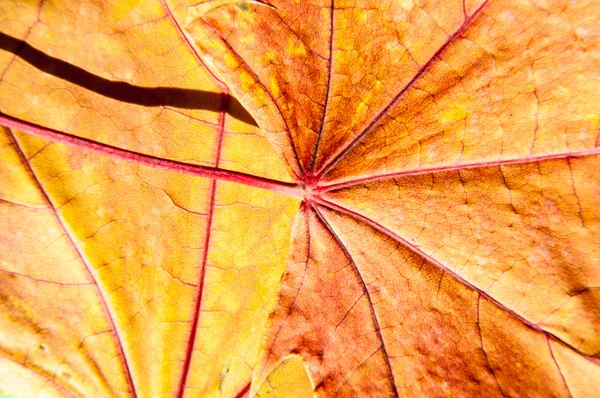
[121, 91]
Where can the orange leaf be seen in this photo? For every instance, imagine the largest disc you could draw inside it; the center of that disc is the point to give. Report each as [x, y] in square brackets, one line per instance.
[433, 163]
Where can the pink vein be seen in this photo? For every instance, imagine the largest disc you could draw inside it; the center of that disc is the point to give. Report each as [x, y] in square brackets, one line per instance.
[344, 150]
[223, 104]
[198, 301]
[85, 263]
[328, 88]
[366, 290]
[458, 167]
[411, 246]
[281, 187]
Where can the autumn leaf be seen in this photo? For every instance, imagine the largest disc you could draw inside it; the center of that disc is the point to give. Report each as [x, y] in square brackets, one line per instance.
[416, 213]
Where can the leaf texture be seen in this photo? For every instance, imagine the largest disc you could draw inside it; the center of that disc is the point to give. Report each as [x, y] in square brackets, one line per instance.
[416, 213]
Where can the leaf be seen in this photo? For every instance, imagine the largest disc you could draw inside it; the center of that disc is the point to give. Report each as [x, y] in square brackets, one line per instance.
[446, 241]
[102, 280]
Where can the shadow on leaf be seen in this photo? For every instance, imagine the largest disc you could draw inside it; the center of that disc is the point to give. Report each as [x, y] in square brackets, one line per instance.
[121, 91]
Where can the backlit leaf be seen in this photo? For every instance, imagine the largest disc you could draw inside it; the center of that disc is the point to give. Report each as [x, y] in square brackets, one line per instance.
[289, 198]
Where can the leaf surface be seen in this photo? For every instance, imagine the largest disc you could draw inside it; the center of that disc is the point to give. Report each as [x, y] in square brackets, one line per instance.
[444, 153]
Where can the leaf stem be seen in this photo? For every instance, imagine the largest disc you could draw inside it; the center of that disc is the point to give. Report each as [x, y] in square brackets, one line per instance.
[285, 188]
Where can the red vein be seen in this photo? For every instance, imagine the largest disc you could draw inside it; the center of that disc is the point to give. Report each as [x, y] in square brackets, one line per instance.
[344, 150]
[41, 374]
[411, 246]
[458, 167]
[366, 290]
[201, 278]
[87, 266]
[313, 158]
[281, 187]
[244, 391]
[223, 105]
